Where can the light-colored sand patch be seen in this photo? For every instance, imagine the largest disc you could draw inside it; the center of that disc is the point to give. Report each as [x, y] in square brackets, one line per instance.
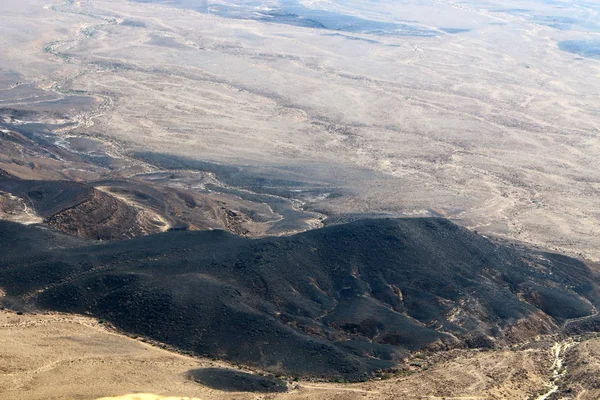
[15, 209]
[147, 396]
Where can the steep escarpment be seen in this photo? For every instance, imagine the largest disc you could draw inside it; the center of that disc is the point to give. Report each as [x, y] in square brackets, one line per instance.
[337, 302]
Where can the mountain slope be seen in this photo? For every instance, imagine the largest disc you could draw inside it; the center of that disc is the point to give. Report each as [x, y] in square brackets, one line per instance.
[341, 301]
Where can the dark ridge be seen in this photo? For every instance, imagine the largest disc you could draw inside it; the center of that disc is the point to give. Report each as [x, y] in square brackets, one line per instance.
[103, 217]
[339, 302]
[235, 381]
[47, 197]
[583, 325]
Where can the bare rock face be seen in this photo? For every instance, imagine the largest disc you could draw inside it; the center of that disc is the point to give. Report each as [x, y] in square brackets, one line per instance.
[339, 302]
[77, 209]
[103, 217]
[117, 209]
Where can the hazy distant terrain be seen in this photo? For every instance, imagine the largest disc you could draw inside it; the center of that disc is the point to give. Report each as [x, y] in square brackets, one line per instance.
[481, 112]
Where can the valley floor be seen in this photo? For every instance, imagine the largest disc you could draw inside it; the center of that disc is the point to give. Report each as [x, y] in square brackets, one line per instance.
[59, 356]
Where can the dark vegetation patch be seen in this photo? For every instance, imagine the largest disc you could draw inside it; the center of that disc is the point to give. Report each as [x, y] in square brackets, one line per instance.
[340, 302]
[236, 381]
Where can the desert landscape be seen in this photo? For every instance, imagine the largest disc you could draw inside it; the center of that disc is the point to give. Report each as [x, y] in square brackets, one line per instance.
[489, 122]
[291, 195]
[68, 349]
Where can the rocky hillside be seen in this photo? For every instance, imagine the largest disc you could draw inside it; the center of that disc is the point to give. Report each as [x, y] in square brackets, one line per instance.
[337, 302]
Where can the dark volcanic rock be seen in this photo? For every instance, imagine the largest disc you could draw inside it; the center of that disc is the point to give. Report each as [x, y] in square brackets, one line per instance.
[342, 301]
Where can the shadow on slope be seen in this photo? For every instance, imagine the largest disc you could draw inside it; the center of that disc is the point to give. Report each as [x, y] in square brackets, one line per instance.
[235, 381]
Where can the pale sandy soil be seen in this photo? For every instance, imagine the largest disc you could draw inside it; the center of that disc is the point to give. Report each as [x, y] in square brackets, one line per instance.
[15, 209]
[495, 127]
[59, 356]
[147, 396]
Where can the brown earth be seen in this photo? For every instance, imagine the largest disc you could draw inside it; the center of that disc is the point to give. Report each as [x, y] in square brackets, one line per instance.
[59, 356]
[104, 217]
[582, 377]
